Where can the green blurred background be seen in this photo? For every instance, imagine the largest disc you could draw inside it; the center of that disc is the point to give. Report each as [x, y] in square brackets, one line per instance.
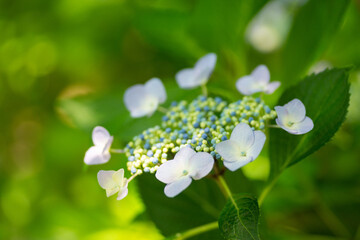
[64, 66]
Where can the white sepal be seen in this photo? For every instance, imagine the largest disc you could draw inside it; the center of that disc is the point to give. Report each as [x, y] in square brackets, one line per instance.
[199, 75]
[143, 99]
[179, 172]
[100, 152]
[244, 146]
[292, 118]
[113, 182]
[257, 81]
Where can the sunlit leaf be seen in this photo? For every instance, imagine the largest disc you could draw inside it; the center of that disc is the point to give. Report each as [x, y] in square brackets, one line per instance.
[326, 98]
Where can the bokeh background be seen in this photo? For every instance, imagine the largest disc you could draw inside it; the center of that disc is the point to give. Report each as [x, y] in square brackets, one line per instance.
[64, 66]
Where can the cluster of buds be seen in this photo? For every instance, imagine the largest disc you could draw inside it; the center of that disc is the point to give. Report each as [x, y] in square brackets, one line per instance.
[192, 136]
[201, 124]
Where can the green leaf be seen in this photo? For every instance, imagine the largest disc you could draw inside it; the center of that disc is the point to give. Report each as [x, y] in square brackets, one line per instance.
[326, 98]
[217, 23]
[313, 29]
[199, 204]
[239, 218]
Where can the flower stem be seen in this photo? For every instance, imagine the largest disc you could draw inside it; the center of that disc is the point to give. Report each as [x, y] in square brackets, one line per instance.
[224, 188]
[116, 150]
[273, 126]
[162, 109]
[266, 190]
[196, 231]
[204, 90]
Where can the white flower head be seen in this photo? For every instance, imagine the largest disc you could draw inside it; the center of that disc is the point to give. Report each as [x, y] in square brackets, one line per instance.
[199, 75]
[100, 152]
[292, 118]
[244, 146]
[257, 81]
[187, 165]
[113, 182]
[143, 99]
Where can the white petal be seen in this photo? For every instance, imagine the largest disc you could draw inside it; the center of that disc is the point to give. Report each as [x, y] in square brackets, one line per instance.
[170, 171]
[296, 110]
[186, 79]
[207, 63]
[105, 179]
[233, 166]
[229, 150]
[256, 148]
[123, 193]
[173, 189]
[112, 191]
[100, 136]
[204, 67]
[301, 127]
[118, 177]
[304, 126]
[95, 155]
[261, 74]
[247, 86]
[271, 87]
[193, 77]
[155, 87]
[184, 155]
[139, 102]
[282, 115]
[243, 135]
[200, 165]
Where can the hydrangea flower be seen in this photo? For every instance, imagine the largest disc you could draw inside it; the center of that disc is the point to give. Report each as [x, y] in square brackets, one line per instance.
[187, 165]
[143, 99]
[244, 146]
[199, 75]
[292, 118]
[100, 152]
[113, 182]
[257, 81]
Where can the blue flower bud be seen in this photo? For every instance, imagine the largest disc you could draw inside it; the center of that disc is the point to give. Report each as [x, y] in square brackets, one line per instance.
[165, 118]
[147, 145]
[204, 136]
[267, 109]
[228, 120]
[168, 130]
[258, 100]
[150, 153]
[155, 160]
[173, 104]
[251, 119]
[133, 170]
[213, 118]
[131, 158]
[196, 125]
[223, 138]
[206, 108]
[247, 107]
[207, 130]
[233, 113]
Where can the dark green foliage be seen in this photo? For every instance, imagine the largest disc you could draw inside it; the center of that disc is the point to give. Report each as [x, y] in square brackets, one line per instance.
[326, 98]
[239, 219]
[314, 26]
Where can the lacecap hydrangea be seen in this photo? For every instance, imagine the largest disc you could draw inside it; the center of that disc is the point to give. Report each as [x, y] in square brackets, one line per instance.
[199, 126]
